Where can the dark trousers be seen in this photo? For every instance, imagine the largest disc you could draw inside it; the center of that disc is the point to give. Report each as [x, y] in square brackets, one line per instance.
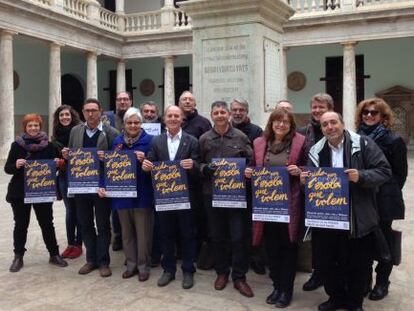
[90, 208]
[73, 231]
[116, 225]
[226, 226]
[44, 215]
[383, 268]
[344, 264]
[175, 224]
[282, 254]
[156, 240]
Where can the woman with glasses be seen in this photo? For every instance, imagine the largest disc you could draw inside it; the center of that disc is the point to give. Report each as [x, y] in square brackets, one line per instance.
[281, 145]
[374, 118]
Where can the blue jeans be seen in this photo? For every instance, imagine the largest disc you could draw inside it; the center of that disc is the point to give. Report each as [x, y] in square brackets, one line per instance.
[73, 231]
[90, 208]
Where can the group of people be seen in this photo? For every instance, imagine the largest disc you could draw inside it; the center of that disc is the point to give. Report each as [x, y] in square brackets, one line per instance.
[374, 159]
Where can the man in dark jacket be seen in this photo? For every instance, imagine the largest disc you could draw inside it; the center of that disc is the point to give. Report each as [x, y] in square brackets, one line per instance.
[193, 123]
[319, 104]
[226, 225]
[345, 255]
[175, 144]
[239, 109]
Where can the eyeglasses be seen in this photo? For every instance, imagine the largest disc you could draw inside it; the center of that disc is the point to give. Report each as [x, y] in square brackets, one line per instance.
[122, 99]
[281, 122]
[373, 113]
[91, 110]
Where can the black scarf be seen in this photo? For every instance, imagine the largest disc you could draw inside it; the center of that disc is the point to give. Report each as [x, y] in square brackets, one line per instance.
[316, 125]
[375, 131]
[62, 134]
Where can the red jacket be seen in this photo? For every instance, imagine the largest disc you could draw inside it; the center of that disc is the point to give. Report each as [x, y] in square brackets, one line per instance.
[298, 156]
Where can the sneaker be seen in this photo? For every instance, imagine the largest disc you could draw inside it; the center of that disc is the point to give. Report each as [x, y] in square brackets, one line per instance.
[76, 252]
[67, 251]
[188, 280]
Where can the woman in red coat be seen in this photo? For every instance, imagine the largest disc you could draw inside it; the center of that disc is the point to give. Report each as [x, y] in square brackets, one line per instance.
[280, 145]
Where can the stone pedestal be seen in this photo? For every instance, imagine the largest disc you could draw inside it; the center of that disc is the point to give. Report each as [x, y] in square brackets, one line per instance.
[237, 52]
[55, 95]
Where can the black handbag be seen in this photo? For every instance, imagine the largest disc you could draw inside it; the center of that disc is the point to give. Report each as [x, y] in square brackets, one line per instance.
[381, 249]
[396, 247]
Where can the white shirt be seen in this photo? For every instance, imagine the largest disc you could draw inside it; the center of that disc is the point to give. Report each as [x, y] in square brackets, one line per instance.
[172, 143]
[337, 154]
[91, 132]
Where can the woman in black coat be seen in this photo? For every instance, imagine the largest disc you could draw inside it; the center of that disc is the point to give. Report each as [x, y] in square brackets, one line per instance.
[32, 145]
[374, 119]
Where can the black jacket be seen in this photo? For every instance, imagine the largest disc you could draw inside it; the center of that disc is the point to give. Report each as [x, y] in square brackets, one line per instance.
[363, 154]
[252, 131]
[15, 190]
[196, 125]
[389, 198]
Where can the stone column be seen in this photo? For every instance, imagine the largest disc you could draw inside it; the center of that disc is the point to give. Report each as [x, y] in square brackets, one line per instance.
[169, 85]
[91, 75]
[167, 15]
[120, 76]
[55, 95]
[168, 3]
[283, 73]
[120, 6]
[6, 93]
[349, 85]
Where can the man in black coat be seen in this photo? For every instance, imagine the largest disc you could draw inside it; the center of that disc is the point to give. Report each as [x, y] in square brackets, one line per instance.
[239, 110]
[345, 255]
[176, 144]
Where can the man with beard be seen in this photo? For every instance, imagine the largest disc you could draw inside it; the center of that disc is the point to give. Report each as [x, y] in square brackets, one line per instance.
[319, 104]
[150, 114]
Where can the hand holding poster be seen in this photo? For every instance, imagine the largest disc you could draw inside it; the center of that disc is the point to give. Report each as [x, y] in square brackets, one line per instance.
[327, 198]
[169, 181]
[228, 183]
[83, 171]
[270, 187]
[39, 181]
[120, 174]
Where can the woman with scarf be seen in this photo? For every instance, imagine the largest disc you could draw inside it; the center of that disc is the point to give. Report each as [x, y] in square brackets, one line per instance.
[135, 214]
[281, 145]
[31, 145]
[64, 118]
[374, 118]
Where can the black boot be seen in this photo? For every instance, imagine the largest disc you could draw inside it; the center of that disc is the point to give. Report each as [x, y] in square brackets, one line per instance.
[314, 282]
[380, 291]
[17, 263]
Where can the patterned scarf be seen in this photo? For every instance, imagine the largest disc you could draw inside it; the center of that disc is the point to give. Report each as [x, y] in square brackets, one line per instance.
[33, 143]
[375, 131]
[130, 141]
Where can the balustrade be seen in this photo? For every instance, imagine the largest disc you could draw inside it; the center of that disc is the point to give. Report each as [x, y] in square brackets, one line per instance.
[143, 21]
[77, 8]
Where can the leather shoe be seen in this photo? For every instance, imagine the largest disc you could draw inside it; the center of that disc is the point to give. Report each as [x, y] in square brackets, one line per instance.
[273, 297]
[379, 292]
[243, 288]
[284, 300]
[165, 279]
[258, 267]
[17, 263]
[129, 274]
[87, 268]
[331, 305]
[221, 281]
[188, 280]
[313, 283]
[57, 261]
[105, 271]
[143, 276]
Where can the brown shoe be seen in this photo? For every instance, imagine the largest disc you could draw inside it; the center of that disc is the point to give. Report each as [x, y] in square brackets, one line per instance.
[58, 261]
[87, 268]
[243, 288]
[105, 271]
[17, 263]
[143, 276]
[129, 274]
[221, 281]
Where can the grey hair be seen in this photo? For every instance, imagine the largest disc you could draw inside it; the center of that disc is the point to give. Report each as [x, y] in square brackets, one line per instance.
[149, 103]
[242, 102]
[220, 103]
[323, 98]
[132, 112]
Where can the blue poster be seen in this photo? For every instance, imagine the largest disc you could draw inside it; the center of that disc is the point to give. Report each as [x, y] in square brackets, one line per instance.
[229, 188]
[120, 174]
[169, 181]
[83, 171]
[327, 198]
[271, 194]
[39, 181]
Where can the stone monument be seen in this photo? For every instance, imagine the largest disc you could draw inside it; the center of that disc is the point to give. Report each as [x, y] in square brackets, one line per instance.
[237, 52]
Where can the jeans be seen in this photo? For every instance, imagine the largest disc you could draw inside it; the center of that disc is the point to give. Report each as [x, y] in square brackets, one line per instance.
[90, 208]
[73, 231]
[44, 215]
